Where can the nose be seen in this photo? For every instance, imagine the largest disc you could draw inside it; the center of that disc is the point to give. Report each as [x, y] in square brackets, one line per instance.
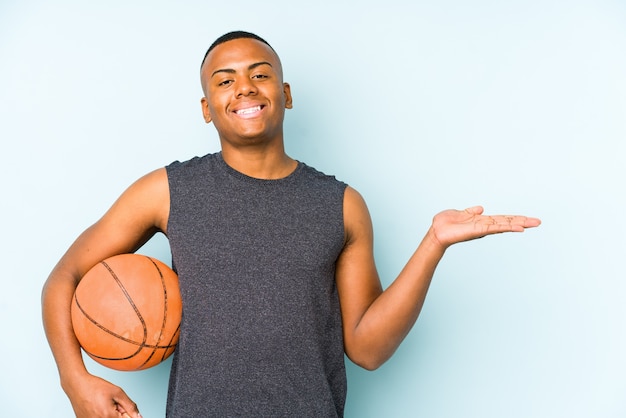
[245, 87]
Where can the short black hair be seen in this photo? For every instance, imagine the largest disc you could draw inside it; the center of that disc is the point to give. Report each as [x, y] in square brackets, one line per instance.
[230, 36]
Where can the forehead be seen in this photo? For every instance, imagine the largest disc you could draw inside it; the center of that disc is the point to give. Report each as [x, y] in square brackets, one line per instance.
[240, 53]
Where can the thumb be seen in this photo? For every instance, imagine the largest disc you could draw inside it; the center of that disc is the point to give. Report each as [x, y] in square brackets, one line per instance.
[475, 210]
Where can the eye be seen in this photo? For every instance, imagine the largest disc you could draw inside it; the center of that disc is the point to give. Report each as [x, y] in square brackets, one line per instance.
[260, 76]
[224, 83]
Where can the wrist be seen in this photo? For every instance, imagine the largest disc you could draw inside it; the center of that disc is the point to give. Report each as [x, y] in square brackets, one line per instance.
[432, 241]
[73, 378]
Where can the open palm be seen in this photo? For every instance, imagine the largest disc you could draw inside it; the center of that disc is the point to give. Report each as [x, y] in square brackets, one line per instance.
[453, 226]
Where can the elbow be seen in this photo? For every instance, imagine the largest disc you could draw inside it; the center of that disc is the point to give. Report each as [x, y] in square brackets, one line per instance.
[370, 366]
[368, 361]
[368, 353]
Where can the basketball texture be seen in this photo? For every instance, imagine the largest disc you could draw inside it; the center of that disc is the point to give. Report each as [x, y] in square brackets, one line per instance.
[126, 312]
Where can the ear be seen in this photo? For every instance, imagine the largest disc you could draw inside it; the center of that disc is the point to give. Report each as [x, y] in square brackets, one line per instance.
[205, 110]
[288, 99]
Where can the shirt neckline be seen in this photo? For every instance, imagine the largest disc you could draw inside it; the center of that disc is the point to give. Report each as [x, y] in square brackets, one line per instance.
[244, 177]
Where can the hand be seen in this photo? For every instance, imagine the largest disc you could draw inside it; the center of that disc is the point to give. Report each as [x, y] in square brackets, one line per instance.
[95, 397]
[453, 226]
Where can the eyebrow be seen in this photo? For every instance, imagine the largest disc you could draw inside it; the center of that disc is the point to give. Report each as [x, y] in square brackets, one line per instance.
[250, 67]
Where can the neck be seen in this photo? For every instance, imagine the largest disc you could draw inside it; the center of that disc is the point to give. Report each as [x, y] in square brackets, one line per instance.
[260, 163]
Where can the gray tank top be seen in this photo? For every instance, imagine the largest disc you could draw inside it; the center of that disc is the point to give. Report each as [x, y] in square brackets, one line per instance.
[261, 331]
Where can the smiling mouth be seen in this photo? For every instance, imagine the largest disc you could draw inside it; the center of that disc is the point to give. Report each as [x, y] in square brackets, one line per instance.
[249, 110]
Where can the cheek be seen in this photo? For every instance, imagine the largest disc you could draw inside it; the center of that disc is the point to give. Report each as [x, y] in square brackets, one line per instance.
[216, 107]
[279, 99]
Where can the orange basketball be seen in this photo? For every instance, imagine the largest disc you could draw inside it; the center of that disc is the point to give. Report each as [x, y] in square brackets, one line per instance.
[126, 312]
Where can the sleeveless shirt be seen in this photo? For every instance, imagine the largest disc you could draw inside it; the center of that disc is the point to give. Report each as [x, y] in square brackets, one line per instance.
[261, 330]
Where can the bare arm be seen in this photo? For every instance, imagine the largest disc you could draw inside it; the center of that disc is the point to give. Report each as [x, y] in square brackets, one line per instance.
[140, 212]
[375, 321]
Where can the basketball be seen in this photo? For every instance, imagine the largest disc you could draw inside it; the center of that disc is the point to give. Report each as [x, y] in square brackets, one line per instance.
[126, 312]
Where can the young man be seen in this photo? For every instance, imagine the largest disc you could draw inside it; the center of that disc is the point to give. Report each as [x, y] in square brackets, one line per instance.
[275, 262]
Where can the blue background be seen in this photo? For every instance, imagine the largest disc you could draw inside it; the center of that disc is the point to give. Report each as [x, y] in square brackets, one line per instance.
[421, 106]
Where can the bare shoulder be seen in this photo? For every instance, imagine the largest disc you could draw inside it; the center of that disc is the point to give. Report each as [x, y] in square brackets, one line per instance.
[146, 202]
[153, 182]
[140, 211]
[356, 216]
[359, 233]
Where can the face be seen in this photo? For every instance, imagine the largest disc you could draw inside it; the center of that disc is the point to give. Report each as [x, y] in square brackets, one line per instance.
[245, 96]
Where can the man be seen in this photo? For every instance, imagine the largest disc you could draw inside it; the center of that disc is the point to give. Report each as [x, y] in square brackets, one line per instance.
[275, 262]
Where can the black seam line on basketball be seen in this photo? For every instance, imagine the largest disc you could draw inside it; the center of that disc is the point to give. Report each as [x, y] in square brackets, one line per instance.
[119, 358]
[130, 300]
[174, 335]
[164, 309]
[111, 358]
[108, 331]
[145, 331]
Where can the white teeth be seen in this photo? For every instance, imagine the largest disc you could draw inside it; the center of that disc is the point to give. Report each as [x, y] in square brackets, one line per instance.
[248, 110]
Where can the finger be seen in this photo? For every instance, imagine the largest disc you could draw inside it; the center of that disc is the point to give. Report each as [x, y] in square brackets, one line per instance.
[517, 220]
[475, 210]
[126, 415]
[127, 408]
[507, 223]
[532, 222]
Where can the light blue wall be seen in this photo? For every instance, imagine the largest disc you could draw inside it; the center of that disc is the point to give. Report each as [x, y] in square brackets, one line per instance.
[421, 106]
